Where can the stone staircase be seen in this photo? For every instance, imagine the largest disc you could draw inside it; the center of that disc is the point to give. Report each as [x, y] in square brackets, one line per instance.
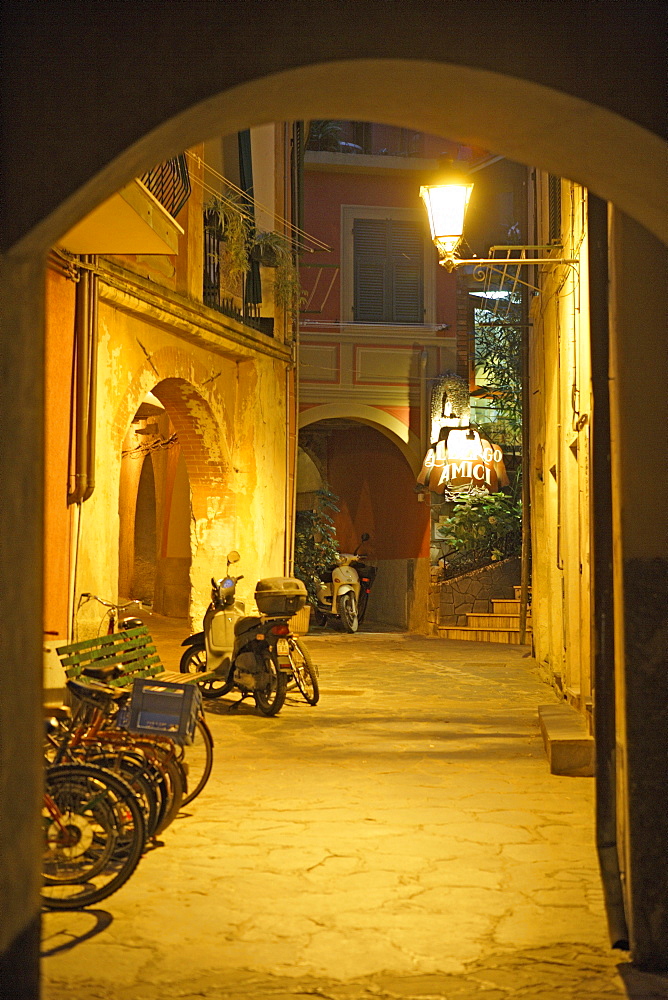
[501, 625]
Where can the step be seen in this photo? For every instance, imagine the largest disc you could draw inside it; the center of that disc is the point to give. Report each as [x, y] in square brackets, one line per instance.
[507, 636]
[568, 745]
[505, 606]
[476, 620]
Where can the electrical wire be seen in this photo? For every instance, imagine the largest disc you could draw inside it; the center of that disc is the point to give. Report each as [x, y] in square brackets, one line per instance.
[301, 234]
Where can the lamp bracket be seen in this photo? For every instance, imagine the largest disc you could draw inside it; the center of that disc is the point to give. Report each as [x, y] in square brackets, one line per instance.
[505, 261]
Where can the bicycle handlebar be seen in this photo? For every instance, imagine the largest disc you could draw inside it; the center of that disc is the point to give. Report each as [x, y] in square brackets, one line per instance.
[106, 604]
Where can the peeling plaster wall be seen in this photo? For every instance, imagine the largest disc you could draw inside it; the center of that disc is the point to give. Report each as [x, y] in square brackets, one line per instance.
[230, 418]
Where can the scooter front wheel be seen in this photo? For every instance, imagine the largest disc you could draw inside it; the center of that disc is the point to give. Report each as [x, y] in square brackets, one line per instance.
[193, 661]
[270, 698]
[346, 605]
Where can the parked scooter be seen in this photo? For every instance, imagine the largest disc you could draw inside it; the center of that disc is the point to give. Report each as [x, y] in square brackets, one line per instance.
[343, 590]
[244, 649]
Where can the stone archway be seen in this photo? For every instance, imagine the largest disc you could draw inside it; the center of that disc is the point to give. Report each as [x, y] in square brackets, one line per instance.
[426, 69]
[373, 416]
[212, 502]
[362, 454]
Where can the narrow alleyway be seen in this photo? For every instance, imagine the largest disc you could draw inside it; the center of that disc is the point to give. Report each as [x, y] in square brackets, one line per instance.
[403, 839]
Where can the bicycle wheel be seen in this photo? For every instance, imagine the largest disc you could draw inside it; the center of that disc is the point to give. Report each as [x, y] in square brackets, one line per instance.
[174, 783]
[304, 670]
[94, 835]
[199, 760]
[131, 767]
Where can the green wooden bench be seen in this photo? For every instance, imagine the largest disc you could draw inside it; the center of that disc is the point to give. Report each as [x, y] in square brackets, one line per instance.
[131, 650]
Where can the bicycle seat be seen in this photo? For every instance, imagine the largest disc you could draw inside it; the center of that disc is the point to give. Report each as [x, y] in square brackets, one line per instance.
[96, 694]
[102, 673]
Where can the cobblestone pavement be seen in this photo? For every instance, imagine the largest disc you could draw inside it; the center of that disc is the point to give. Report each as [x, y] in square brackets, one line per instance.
[403, 840]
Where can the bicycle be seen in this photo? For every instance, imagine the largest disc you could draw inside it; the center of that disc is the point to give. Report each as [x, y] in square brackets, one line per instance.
[198, 755]
[148, 764]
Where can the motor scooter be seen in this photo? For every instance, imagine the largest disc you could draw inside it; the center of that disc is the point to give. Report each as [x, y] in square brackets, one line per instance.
[343, 589]
[244, 649]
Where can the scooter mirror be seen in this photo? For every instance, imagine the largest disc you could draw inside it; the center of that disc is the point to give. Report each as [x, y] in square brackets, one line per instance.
[365, 537]
[233, 557]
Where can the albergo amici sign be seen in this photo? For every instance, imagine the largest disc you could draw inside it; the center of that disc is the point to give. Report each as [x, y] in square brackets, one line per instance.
[463, 464]
[460, 462]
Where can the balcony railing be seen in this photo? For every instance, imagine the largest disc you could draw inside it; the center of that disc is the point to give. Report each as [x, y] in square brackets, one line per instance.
[212, 294]
[169, 182]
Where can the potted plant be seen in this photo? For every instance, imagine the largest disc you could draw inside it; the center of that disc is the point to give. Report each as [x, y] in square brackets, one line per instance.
[271, 249]
[315, 540]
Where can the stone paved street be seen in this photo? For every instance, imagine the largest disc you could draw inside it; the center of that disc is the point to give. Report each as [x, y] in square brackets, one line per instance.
[403, 839]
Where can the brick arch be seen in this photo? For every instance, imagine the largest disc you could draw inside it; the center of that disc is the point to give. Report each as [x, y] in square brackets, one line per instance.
[200, 438]
[173, 362]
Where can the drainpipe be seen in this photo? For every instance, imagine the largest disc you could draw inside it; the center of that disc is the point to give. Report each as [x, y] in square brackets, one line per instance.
[85, 408]
[600, 516]
[92, 382]
[85, 388]
[81, 386]
[425, 421]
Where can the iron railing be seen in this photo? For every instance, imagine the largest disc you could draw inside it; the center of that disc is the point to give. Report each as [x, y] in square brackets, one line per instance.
[169, 182]
[211, 290]
[486, 553]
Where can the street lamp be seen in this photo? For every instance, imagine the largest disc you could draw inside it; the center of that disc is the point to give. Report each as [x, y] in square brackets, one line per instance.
[446, 205]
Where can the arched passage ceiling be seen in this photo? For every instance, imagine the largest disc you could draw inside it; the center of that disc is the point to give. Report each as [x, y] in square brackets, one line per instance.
[575, 88]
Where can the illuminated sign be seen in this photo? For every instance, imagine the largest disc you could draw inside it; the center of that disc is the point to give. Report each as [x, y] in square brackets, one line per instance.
[460, 462]
[466, 465]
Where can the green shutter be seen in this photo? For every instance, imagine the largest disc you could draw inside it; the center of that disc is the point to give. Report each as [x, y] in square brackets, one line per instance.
[407, 248]
[388, 271]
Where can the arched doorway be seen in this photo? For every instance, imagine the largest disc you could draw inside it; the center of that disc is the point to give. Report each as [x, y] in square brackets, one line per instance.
[154, 511]
[177, 510]
[374, 483]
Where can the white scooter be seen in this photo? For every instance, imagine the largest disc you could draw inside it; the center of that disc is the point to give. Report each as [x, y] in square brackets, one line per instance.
[343, 589]
[244, 649]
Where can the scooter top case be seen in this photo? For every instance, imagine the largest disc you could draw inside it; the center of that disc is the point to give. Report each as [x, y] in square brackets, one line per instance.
[280, 596]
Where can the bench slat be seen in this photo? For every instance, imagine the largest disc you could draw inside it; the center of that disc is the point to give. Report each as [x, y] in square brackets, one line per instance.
[126, 679]
[137, 663]
[122, 654]
[102, 640]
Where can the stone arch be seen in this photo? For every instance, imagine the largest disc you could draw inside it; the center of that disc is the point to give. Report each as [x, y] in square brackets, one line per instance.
[199, 436]
[529, 122]
[201, 424]
[393, 428]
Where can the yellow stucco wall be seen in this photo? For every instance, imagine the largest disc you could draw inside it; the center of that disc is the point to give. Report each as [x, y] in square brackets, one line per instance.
[560, 455]
[233, 408]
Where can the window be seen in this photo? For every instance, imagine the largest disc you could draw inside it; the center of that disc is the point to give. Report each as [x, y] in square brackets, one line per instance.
[554, 208]
[388, 271]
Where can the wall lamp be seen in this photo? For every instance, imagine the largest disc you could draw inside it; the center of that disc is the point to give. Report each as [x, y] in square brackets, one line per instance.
[446, 203]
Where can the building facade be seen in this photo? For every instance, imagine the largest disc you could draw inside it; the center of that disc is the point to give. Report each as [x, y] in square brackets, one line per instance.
[166, 457]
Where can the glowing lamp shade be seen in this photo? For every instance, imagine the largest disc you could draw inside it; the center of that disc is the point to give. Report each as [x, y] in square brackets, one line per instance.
[446, 207]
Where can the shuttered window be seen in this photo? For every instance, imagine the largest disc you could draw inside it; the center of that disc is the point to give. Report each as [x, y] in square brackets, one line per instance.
[388, 271]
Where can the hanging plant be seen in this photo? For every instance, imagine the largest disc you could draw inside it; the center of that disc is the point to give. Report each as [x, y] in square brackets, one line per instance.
[270, 249]
[235, 229]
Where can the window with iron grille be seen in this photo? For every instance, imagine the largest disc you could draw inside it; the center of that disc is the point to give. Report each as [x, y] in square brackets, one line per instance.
[554, 208]
[388, 271]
